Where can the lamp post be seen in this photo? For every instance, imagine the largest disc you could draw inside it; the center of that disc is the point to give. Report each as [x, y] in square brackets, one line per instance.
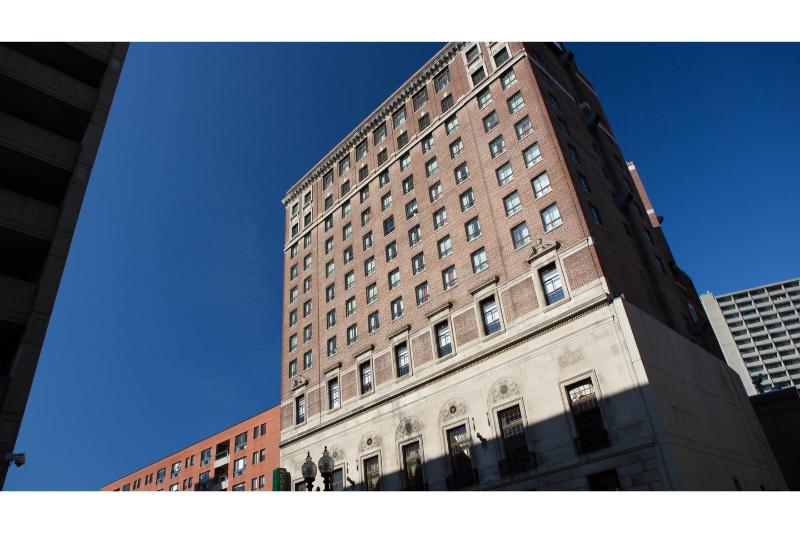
[326, 468]
[309, 471]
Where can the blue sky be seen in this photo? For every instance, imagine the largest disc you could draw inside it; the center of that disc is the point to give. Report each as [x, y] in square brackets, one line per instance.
[167, 324]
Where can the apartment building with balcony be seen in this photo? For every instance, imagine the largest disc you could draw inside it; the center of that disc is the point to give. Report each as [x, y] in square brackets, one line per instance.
[759, 332]
[54, 102]
[238, 458]
[478, 295]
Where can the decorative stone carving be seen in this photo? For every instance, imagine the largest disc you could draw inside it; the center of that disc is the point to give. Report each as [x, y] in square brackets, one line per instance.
[408, 427]
[337, 452]
[370, 441]
[570, 359]
[451, 410]
[540, 247]
[298, 382]
[502, 390]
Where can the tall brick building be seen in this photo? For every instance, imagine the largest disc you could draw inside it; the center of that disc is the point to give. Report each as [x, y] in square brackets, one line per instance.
[238, 458]
[478, 295]
[54, 102]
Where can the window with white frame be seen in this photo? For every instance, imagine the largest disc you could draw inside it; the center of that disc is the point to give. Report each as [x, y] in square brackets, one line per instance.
[484, 98]
[431, 167]
[504, 174]
[512, 203]
[508, 79]
[541, 185]
[451, 125]
[466, 199]
[515, 103]
[445, 246]
[421, 293]
[456, 148]
[473, 229]
[551, 217]
[479, 260]
[551, 284]
[532, 155]
[442, 79]
[520, 235]
[449, 277]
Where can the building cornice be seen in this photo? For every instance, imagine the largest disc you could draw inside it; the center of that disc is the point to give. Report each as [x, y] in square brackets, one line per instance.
[362, 131]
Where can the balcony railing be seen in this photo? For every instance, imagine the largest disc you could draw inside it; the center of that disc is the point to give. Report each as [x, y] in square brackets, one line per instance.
[517, 463]
[461, 480]
[591, 441]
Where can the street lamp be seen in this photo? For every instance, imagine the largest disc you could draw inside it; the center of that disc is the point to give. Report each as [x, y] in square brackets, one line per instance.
[309, 471]
[326, 468]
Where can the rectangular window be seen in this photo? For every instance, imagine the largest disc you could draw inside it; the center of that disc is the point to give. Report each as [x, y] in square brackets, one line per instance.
[308, 359]
[344, 165]
[523, 128]
[445, 246]
[363, 194]
[331, 347]
[479, 261]
[331, 318]
[292, 369]
[352, 334]
[349, 280]
[419, 98]
[372, 293]
[388, 225]
[399, 117]
[497, 146]
[361, 150]
[176, 468]
[532, 155]
[347, 255]
[240, 442]
[447, 103]
[515, 446]
[484, 98]
[379, 134]
[456, 148]
[460, 453]
[391, 251]
[452, 124]
[439, 218]
[408, 184]
[411, 209]
[366, 240]
[427, 144]
[508, 79]
[478, 75]
[585, 409]
[405, 161]
[333, 393]
[394, 279]
[327, 181]
[449, 277]
[421, 292]
[300, 409]
[397, 308]
[442, 79]
[239, 466]
[491, 316]
[595, 214]
[467, 199]
[386, 201]
[418, 263]
[337, 479]
[435, 191]
[551, 217]
[372, 473]
[350, 306]
[412, 467]
[520, 235]
[401, 359]
[512, 203]
[461, 173]
[515, 103]
[424, 121]
[205, 457]
[551, 284]
[431, 167]
[473, 54]
[504, 174]
[402, 139]
[383, 156]
[541, 185]
[347, 231]
[473, 229]
[414, 235]
[373, 322]
[363, 172]
[490, 122]
[501, 57]
[365, 377]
